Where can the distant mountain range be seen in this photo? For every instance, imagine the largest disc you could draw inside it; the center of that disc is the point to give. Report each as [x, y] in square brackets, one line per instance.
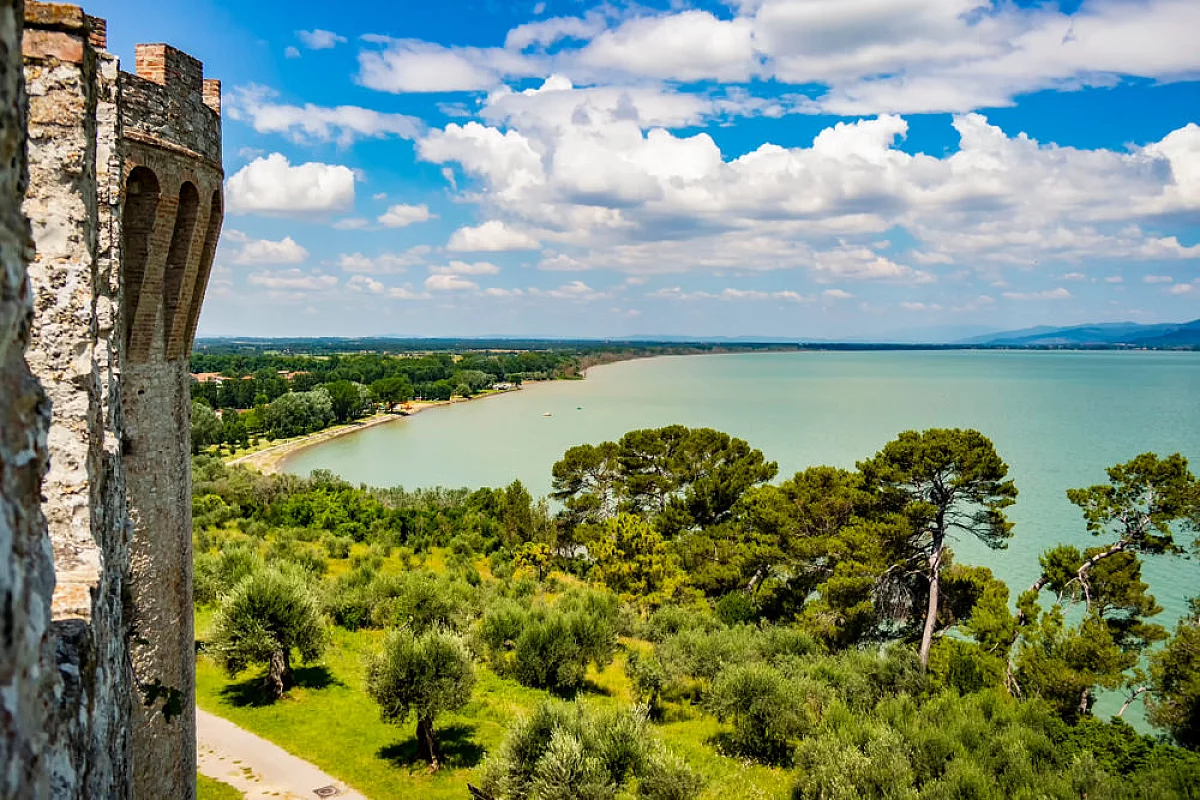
[1113, 334]
[1100, 335]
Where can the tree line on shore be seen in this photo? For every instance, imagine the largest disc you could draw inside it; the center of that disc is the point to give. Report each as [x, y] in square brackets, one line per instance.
[823, 618]
[245, 396]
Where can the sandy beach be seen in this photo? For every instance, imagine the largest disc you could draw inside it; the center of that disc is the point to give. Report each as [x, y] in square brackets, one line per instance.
[270, 460]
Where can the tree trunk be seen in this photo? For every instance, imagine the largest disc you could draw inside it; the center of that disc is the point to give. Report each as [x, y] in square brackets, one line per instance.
[935, 579]
[279, 674]
[426, 741]
[1128, 702]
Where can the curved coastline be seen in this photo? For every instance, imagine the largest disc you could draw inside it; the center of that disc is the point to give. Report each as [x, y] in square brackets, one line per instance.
[272, 460]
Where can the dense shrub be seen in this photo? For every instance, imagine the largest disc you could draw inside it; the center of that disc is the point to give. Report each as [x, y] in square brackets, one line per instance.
[549, 647]
[768, 711]
[566, 752]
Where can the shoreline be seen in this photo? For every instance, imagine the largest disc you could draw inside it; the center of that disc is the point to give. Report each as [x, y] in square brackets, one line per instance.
[269, 461]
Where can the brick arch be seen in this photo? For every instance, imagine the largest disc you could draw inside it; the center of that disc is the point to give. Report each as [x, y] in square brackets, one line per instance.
[178, 256]
[142, 194]
[207, 251]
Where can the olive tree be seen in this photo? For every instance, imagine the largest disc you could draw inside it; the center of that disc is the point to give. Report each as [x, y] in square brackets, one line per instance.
[263, 619]
[421, 676]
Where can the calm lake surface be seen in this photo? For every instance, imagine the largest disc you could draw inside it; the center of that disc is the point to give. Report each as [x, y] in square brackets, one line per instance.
[1057, 418]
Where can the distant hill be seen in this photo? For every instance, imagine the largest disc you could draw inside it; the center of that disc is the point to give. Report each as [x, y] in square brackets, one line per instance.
[1131, 334]
[1186, 335]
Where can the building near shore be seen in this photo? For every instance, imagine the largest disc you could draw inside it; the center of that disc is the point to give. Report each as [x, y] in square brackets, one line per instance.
[110, 210]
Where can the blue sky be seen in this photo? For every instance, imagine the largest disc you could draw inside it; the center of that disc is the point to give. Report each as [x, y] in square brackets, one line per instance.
[806, 168]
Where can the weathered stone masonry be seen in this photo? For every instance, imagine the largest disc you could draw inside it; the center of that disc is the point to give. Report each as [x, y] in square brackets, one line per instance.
[125, 204]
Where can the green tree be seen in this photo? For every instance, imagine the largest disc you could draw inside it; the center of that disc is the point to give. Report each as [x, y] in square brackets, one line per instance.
[944, 482]
[1174, 701]
[206, 426]
[349, 400]
[631, 558]
[1147, 502]
[391, 391]
[587, 481]
[688, 478]
[684, 479]
[533, 556]
[262, 620]
[298, 413]
[422, 676]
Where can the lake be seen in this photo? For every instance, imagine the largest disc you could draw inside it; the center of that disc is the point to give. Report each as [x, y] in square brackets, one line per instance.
[1057, 418]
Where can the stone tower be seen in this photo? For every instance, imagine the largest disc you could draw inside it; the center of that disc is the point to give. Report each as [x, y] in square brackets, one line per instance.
[124, 201]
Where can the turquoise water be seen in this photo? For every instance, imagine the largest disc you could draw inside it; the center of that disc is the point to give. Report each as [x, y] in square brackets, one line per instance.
[1057, 418]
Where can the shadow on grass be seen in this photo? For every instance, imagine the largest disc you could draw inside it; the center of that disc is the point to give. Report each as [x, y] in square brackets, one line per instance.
[772, 754]
[253, 692]
[454, 742]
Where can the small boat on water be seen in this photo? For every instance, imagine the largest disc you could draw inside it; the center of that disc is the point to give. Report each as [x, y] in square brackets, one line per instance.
[547, 414]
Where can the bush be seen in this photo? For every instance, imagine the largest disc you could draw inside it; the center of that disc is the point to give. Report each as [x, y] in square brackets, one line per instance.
[766, 709]
[548, 654]
[669, 620]
[336, 546]
[666, 776]
[304, 556]
[736, 608]
[498, 630]
[422, 601]
[565, 752]
[648, 678]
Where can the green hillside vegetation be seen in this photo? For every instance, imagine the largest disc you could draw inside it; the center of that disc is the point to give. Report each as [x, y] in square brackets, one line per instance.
[680, 625]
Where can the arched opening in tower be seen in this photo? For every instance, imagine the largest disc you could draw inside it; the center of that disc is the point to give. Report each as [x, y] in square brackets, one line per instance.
[207, 251]
[137, 228]
[177, 258]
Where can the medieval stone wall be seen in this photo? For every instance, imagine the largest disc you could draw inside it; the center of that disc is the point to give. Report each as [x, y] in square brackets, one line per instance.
[72, 115]
[124, 197]
[26, 569]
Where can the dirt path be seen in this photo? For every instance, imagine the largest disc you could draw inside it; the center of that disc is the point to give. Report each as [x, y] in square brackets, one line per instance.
[256, 767]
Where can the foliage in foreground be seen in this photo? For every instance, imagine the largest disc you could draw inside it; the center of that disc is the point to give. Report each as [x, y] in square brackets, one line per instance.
[569, 752]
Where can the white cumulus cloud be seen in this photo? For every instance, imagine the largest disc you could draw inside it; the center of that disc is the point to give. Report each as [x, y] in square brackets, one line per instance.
[401, 215]
[294, 280]
[273, 186]
[449, 283]
[265, 251]
[257, 105]
[463, 268]
[492, 236]
[318, 39]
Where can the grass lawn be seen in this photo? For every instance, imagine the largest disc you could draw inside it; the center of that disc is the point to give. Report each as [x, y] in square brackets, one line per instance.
[328, 720]
[208, 789]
